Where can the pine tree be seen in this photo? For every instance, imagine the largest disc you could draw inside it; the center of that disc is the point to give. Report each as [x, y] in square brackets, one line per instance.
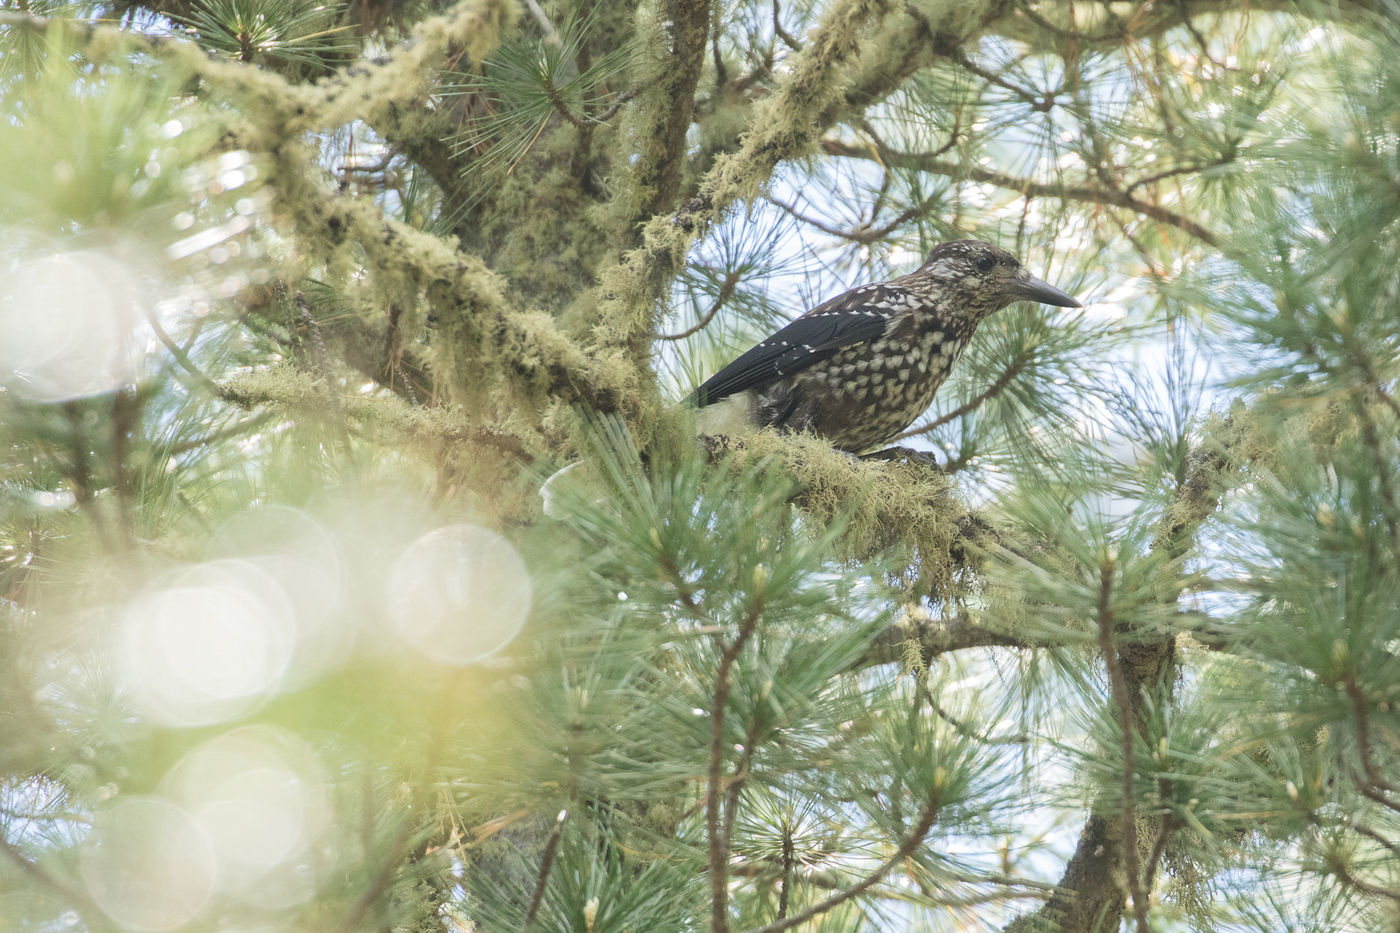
[302, 303]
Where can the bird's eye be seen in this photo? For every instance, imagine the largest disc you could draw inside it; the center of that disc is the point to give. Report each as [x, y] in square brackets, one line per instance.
[985, 263]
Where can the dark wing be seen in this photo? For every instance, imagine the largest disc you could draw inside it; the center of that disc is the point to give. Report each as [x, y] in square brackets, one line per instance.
[857, 316]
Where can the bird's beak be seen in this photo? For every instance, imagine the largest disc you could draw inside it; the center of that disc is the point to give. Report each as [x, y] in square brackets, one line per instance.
[1033, 289]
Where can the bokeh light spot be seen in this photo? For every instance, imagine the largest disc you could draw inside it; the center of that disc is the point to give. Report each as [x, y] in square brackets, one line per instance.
[299, 554]
[208, 646]
[67, 325]
[459, 594]
[260, 797]
[148, 864]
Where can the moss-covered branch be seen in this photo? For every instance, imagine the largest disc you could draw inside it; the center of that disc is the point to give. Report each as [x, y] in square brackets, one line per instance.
[670, 61]
[623, 310]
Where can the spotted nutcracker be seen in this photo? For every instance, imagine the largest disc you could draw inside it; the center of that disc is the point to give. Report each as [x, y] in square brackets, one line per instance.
[859, 369]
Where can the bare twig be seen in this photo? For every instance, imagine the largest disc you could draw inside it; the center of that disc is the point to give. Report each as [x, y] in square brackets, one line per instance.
[1223, 159]
[550, 33]
[788, 852]
[607, 112]
[782, 33]
[862, 234]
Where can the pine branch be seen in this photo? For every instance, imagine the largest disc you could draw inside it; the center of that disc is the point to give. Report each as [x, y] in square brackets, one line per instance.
[560, 106]
[718, 840]
[1122, 698]
[1086, 892]
[906, 848]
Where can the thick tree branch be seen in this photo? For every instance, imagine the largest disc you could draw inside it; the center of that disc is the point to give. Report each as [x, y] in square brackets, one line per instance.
[666, 105]
[931, 638]
[1088, 898]
[1123, 700]
[621, 311]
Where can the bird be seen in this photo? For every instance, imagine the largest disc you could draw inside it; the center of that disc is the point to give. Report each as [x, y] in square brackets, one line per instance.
[859, 369]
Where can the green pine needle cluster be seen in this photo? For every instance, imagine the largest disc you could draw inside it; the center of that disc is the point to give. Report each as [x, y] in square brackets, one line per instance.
[359, 568]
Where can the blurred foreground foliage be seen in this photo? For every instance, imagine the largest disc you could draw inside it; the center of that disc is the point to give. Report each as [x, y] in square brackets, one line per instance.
[303, 308]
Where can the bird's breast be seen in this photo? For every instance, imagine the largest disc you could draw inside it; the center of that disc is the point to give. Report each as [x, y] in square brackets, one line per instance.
[867, 394]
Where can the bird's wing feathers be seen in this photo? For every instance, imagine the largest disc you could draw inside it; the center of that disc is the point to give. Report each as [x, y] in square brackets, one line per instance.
[857, 316]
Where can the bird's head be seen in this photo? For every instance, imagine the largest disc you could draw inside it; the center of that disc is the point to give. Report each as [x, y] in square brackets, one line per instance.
[984, 278]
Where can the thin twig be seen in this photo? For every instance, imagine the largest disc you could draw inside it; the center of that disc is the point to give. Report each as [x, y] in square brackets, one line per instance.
[1224, 159]
[864, 234]
[788, 848]
[616, 105]
[550, 33]
[1042, 103]
[183, 358]
[1344, 874]
[1155, 858]
[557, 100]
[1108, 194]
[1071, 34]
[546, 864]
[1377, 838]
[726, 291]
[782, 33]
[1363, 734]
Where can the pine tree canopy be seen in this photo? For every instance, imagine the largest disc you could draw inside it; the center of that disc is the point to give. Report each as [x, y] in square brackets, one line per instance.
[361, 568]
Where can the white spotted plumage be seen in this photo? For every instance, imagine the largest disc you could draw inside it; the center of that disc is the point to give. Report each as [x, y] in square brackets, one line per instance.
[859, 369]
